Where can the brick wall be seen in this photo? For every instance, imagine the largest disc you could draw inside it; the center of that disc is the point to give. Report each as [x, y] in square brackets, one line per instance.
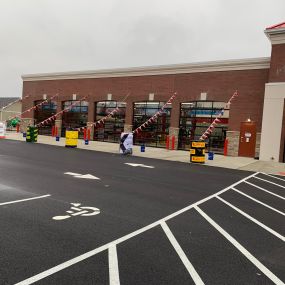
[218, 85]
[277, 64]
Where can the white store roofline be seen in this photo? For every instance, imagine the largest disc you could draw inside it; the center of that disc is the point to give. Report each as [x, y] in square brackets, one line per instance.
[211, 66]
[275, 35]
[274, 31]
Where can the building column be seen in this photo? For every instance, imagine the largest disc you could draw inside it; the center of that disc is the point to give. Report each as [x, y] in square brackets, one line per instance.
[91, 112]
[272, 138]
[174, 132]
[257, 144]
[233, 142]
[58, 124]
[272, 121]
[90, 126]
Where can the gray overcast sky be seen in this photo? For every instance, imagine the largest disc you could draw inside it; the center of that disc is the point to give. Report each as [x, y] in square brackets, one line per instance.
[40, 36]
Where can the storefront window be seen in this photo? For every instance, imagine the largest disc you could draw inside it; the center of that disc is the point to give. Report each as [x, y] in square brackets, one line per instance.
[155, 133]
[43, 112]
[110, 130]
[196, 117]
[76, 117]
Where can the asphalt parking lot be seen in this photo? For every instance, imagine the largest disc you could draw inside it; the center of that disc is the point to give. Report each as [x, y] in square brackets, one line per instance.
[71, 216]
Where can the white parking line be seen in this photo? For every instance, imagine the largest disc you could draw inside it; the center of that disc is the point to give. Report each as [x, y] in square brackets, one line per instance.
[88, 254]
[265, 190]
[257, 201]
[23, 200]
[190, 268]
[252, 219]
[113, 266]
[272, 176]
[270, 182]
[244, 251]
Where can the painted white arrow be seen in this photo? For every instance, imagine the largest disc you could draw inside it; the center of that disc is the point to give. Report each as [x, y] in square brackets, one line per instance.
[84, 176]
[87, 176]
[140, 165]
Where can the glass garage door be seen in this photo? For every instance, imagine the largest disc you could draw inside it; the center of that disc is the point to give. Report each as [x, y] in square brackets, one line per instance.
[76, 117]
[155, 133]
[110, 130]
[43, 112]
[196, 117]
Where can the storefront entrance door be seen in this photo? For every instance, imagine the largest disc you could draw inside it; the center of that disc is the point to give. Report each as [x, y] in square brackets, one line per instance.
[247, 139]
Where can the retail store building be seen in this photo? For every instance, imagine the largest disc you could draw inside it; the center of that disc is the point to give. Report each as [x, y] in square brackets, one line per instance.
[252, 124]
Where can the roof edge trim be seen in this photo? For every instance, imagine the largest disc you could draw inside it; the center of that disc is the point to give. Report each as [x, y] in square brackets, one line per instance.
[211, 66]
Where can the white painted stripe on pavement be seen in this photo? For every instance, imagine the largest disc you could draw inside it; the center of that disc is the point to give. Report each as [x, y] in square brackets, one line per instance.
[252, 219]
[273, 176]
[265, 190]
[72, 173]
[114, 276]
[88, 254]
[257, 201]
[244, 251]
[195, 276]
[23, 200]
[139, 164]
[270, 182]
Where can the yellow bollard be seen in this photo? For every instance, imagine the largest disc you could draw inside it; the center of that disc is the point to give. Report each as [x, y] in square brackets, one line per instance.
[71, 138]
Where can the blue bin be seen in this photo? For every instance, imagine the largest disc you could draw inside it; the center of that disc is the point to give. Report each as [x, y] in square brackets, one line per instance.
[86, 142]
[24, 135]
[210, 155]
[142, 148]
[57, 139]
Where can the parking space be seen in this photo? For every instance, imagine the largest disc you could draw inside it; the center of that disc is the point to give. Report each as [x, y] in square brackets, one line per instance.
[8, 193]
[200, 226]
[94, 270]
[210, 241]
[216, 260]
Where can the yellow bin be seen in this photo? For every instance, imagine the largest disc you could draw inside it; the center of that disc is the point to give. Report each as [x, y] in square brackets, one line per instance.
[71, 138]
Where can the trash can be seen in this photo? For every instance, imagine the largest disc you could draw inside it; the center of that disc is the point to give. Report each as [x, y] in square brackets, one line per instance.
[142, 148]
[71, 138]
[210, 155]
[32, 134]
[197, 152]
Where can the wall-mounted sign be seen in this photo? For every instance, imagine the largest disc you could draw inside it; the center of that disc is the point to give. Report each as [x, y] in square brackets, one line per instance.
[247, 135]
[2, 130]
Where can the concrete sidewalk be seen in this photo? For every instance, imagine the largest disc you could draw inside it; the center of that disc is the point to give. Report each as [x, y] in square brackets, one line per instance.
[242, 163]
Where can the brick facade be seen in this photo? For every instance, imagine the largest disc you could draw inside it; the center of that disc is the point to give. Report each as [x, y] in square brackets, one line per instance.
[218, 85]
[277, 63]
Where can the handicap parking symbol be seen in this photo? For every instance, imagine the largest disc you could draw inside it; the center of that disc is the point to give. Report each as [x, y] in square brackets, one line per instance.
[77, 210]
